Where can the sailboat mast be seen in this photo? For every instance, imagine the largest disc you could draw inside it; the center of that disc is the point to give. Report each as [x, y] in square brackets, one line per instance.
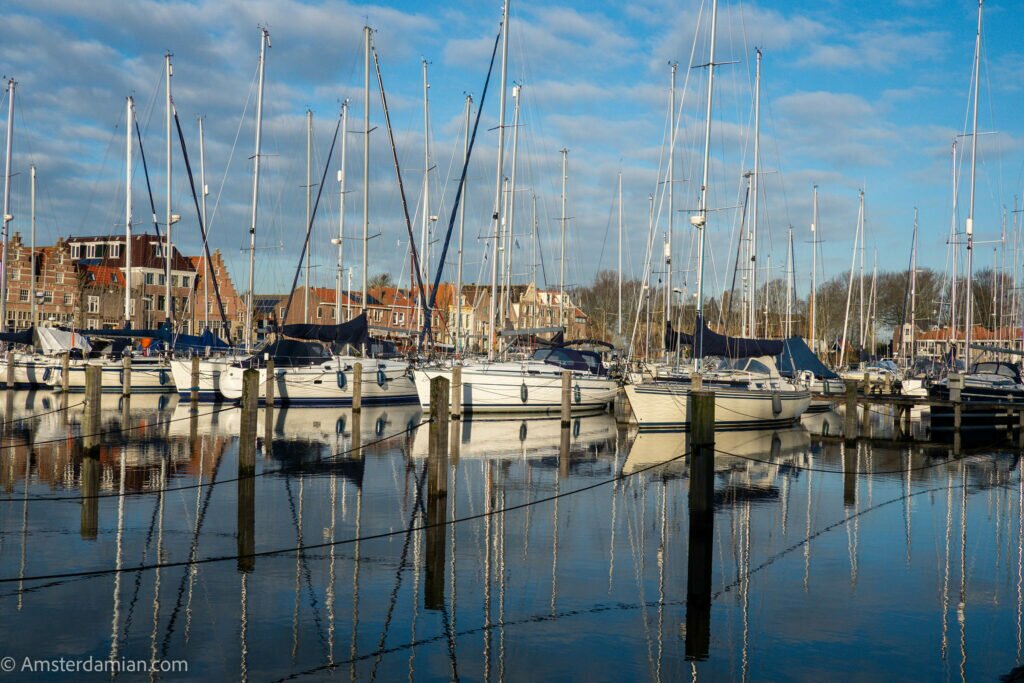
[860, 227]
[7, 203]
[204, 192]
[789, 286]
[309, 206]
[814, 268]
[956, 248]
[341, 213]
[510, 223]
[849, 286]
[129, 119]
[366, 159]
[249, 304]
[970, 210]
[618, 318]
[701, 220]
[462, 234]
[32, 245]
[674, 67]
[492, 332]
[425, 229]
[754, 190]
[168, 249]
[913, 291]
[561, 261]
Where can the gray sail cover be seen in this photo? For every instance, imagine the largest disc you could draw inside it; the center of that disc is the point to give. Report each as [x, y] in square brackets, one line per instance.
[797, 357]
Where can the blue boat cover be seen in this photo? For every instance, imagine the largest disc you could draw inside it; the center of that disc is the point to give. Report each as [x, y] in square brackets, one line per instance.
[355, 332]
[181, 342]
[797, 357]
[708, 343]
[23, 337]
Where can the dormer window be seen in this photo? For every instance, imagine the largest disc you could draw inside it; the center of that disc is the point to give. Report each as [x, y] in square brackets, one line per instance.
[76, 251]
[115, 250]
[90, 251]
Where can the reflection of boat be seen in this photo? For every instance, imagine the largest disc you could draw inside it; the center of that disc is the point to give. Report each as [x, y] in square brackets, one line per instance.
[826, 423]
[327, 425]
[536, 437]
[732, 448]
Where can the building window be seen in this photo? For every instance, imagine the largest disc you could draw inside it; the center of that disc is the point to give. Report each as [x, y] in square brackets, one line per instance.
[184, 281]
[319, 312]
[60, 277]
[131, 307]
[90, 251]
[23, 295]
[149, 278]
[48, 297]
[76, 250]
[163, 279]
[113, 278]
[67, 299]
[92, 324]
[93, 303]
[15, 273]
[115, 250]
[174, 281]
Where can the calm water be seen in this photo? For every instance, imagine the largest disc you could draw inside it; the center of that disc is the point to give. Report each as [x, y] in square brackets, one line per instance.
[825, 559]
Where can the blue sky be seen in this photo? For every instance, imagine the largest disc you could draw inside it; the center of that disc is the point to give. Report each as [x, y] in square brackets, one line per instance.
[854, 95]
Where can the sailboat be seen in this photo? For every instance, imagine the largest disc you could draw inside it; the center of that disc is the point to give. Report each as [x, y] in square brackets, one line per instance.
[743, 398]
[532, 385]
[314, 364]
[997, 386]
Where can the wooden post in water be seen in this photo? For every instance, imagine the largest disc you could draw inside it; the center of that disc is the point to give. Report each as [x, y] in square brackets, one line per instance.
[850, 475]
[357, 388]
[194, 389]
[1020, 428]
[90, 490]
[246, 530]
[956, 383]
[271, 384]
[865, 418]
[457, 392]
[65, 369]
[701, 406]
[850, 421]
[437, 494]
[9, 382]
[566, 398]
[126, 374]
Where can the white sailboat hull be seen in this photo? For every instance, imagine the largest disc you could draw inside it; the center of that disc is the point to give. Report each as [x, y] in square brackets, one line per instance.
[330, 383]
[665, 405]
[210, 371]
[529, 387]
[30, 369]
[147, 376]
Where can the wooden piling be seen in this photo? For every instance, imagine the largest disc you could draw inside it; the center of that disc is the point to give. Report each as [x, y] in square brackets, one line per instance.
[357, 387]
[437, 494]
[194, 389]
[955, 382]
[457, 392]
[90, 490]
[701, 406]
[270, 384]
[9, 382]
[564, 442]
[1020, 428]
[566, 398]
[65, 370]
[126, 374]
[246, 518]
[850, 421]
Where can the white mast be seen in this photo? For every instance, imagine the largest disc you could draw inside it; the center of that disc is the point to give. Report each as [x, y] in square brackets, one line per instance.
[561, 261]
[533, 265]
[341, 213]
[204, 191]
[366, 157]
[129, 119]
[913, 291]
[517, 91]
[425, 237]
[671, 195]
[849, 286]
[956, 248]
[492, 333]
[462, 233]
[618, 318]
[7, 217]
[863, 219]
[754, 182]
[249, 309]
[170, 219]
[789, 286]
[700, 221]
[970, 212]
[32, 246]
[309, 206]
[814, 268]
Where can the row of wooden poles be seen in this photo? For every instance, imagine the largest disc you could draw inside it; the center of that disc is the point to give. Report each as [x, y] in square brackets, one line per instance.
[445, 412]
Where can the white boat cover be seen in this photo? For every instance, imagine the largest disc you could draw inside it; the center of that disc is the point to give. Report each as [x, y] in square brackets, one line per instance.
[53, 341]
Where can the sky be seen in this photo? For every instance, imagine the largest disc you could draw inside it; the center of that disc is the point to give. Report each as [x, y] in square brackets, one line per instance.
[866, 95]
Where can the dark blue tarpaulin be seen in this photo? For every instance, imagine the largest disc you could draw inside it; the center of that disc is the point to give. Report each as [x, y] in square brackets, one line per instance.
[708, 343]
[797, 357]
[23, 337]
[181, 342]
[355, 332]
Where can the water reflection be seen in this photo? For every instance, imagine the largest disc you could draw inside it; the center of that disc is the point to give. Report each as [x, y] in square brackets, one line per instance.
[572, 554]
